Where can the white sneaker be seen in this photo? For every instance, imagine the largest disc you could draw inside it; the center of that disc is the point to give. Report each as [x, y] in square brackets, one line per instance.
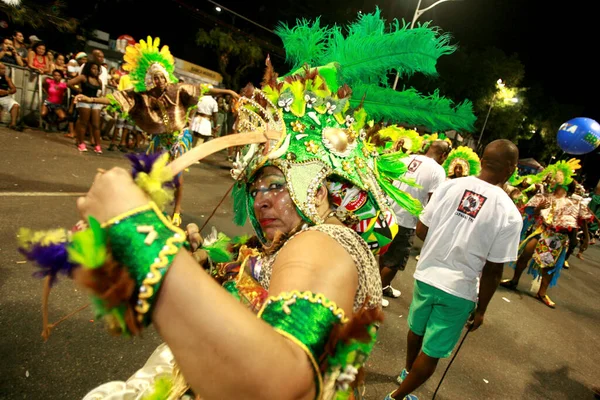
[389, 291]
[384, 303]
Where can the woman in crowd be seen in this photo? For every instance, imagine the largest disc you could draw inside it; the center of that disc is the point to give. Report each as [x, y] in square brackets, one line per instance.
[91, 86]
[37, 59]
[60, 64]
[55, 89]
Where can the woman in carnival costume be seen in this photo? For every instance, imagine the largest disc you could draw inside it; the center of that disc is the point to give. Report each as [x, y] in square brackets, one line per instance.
[313, 281]
[543, 252]
[158, 104]
[462, 161]
[400, 139]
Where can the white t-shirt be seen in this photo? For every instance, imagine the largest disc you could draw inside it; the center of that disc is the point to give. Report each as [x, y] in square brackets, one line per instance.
[470, 221]
[428, 174]
[207, 105]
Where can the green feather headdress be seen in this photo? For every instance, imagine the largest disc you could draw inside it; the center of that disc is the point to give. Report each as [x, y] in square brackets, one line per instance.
[323, 105]
[466, 157]
[412, 142]
[144, 57]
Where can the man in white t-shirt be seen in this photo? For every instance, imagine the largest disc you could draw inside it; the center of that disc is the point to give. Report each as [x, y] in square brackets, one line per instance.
[205, 120]
[470, 228]
[428, 173]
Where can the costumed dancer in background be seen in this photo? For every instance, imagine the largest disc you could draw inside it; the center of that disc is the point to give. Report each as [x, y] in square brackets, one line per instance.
[313, 281]
[397, 138]
[158, 104]
[462, 161]
[543, 252]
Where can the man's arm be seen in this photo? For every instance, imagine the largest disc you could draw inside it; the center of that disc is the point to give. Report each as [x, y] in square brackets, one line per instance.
[422, 230]
[11, 86]
[490, 278]
[18, 58]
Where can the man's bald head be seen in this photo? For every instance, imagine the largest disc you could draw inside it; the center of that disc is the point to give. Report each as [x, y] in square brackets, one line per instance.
[98, 56]
[500, 159]
[439, 151]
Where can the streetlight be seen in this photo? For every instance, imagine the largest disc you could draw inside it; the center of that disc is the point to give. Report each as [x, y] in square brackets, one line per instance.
[418, 13]
[218, 9]
[503, 92]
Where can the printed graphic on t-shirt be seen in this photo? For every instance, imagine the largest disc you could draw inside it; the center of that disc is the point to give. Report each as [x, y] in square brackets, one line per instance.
[471, 203]
[414, 165]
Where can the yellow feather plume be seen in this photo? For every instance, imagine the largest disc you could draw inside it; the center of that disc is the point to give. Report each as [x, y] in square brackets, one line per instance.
[27, 237]
[153, 182]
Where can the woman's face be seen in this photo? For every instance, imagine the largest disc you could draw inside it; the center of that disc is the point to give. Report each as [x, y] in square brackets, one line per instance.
[57, 76]
[94, 70]
[60, 60]
[159, 80]
[458, 170]
[273, 206]
[40, 50]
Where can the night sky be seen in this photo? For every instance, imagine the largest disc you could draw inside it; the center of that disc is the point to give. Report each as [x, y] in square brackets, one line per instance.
[556, 43]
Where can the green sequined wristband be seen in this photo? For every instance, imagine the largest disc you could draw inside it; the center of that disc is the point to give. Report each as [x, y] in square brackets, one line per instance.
[305, 318]
[145, 242]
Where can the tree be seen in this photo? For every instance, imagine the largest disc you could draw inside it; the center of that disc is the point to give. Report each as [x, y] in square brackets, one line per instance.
[36, 15]
[236, 54]
[472, 74]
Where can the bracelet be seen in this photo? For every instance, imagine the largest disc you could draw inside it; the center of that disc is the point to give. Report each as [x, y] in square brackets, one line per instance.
[313, 323]
[145, 242]
[306, 319]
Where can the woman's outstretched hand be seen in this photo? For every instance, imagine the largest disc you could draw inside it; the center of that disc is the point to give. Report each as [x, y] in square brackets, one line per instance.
[112, 193]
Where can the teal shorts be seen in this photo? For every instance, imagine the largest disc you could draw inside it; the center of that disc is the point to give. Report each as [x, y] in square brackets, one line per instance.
[439, 317]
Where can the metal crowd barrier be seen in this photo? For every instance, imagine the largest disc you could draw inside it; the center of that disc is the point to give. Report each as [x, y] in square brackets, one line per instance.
[30, 95]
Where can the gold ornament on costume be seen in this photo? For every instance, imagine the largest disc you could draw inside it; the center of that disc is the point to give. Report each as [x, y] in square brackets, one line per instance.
[347, 166]
[339, 141]
[311, 147]
[298, 126]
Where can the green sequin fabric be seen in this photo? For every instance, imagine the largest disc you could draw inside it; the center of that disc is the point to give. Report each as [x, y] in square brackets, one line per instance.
[129, 248]
[305, 316]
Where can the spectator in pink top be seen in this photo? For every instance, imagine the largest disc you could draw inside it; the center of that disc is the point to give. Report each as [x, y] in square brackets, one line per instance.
[55, 89]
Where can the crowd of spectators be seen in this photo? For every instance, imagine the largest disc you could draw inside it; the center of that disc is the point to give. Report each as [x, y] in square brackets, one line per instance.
[65, 75]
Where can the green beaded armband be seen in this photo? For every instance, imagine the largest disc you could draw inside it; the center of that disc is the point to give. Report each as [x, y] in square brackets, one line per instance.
[146, 242]
[305, 318]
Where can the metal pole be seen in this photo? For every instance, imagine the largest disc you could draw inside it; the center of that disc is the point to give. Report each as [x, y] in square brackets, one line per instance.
[486, 120]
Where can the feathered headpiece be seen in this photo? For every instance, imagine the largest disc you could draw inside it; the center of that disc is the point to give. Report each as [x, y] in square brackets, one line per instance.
[322, 112]
[465, 157]
[561, 173]
[406, 140]
[144, 59]
[430, 138]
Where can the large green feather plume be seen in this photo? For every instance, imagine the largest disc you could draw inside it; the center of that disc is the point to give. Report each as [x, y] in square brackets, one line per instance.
[305, 42]
[410, 107]
[369, 57]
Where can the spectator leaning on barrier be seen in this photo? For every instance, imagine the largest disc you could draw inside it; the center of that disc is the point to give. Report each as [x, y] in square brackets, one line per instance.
[38, 60]
[7, 89]
[60, 64]
[55, 89]
[19, 44]
[9, 55]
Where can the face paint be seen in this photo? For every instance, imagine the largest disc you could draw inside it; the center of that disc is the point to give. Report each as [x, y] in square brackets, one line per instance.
[273, 206]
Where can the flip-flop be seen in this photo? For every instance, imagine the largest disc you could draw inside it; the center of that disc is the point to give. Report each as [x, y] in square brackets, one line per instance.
[546, 300]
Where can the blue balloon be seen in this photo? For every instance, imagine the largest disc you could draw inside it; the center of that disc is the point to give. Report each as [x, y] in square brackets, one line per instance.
[579, 136]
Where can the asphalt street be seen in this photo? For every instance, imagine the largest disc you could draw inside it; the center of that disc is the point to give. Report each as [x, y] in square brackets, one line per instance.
[524, 350]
